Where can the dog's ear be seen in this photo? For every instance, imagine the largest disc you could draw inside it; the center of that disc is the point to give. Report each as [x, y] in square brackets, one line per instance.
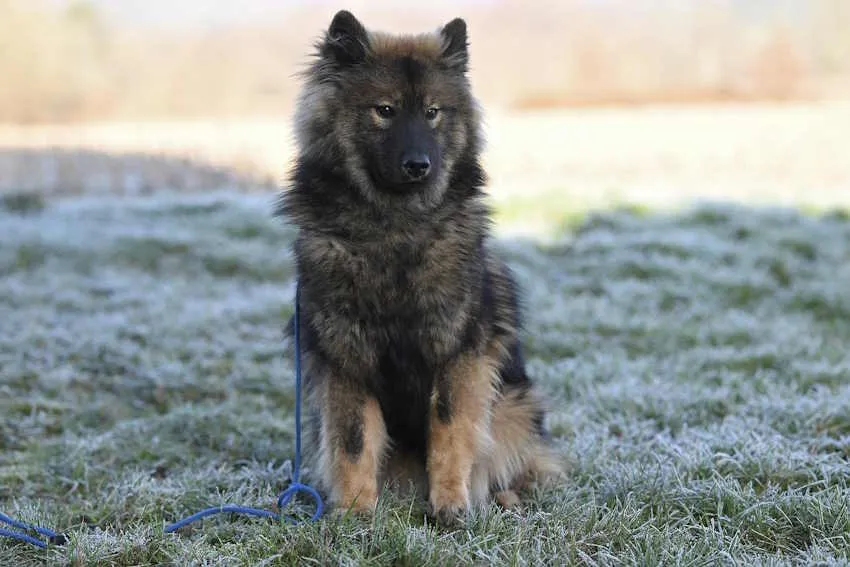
[346, 40]
[455, 53]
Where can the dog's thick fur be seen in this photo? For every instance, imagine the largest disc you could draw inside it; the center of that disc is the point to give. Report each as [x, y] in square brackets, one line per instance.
[409, 324]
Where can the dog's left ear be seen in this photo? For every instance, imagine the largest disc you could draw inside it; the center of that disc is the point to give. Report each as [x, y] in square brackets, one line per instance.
[455, 53]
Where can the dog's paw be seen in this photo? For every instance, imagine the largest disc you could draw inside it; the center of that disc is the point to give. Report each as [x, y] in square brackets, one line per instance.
[447, 508]
[362, 513]
[447, 516]
[507, 499]
[359, 506]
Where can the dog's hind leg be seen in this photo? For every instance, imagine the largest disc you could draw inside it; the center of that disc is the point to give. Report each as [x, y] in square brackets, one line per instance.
[520, 452]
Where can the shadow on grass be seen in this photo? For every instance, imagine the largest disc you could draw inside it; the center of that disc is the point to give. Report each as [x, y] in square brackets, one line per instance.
[27, 175]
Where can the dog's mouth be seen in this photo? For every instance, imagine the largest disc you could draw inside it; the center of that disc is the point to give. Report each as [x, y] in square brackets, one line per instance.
[413, 183]
[401, 186]
[409, 188]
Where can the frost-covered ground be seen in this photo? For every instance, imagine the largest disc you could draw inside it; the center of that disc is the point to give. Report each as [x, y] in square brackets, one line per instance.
[698, 366]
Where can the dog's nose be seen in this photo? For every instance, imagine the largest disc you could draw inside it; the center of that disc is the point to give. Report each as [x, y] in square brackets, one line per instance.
[415, 166]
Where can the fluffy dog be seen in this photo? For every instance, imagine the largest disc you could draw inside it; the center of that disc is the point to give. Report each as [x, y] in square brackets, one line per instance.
[413, 366]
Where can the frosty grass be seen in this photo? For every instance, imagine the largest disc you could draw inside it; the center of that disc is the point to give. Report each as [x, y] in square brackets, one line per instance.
[697, 364]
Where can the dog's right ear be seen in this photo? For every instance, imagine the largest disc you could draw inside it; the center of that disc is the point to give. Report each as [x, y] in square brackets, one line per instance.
[346, 40]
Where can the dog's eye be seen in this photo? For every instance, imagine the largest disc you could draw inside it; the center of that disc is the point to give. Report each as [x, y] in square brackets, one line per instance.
[385, 111]
[431, 113]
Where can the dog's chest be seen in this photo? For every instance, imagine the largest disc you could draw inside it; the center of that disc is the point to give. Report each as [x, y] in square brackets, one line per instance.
[415, 310]
[403, 387]
[407, 283]
[396, 272]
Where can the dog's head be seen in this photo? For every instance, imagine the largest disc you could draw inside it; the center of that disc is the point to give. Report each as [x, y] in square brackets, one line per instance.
[394, 112]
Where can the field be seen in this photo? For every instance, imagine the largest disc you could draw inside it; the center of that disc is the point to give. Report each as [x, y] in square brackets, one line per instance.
[793, 154]
[696, 357]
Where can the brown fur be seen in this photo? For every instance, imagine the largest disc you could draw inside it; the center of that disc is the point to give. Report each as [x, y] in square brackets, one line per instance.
[455, 445]
[354, 477]
[424, 46]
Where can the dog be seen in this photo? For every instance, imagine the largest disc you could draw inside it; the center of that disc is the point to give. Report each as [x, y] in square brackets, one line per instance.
[413, 365]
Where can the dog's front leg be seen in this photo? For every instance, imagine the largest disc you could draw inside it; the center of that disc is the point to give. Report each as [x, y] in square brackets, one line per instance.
[459, 424]
[353, 441]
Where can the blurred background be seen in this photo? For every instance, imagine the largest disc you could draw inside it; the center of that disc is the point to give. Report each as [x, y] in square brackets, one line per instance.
[588, 102]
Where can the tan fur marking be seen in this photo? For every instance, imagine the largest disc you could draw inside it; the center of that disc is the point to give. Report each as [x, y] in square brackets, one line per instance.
[356, 481]
[454, 446]
[428, 46]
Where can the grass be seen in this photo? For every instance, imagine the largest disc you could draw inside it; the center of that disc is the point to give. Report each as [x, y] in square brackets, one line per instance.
[697, 364]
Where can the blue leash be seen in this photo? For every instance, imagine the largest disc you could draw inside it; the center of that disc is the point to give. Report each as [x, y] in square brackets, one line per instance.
[295, 486]
[52, 537]
[285, 497]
